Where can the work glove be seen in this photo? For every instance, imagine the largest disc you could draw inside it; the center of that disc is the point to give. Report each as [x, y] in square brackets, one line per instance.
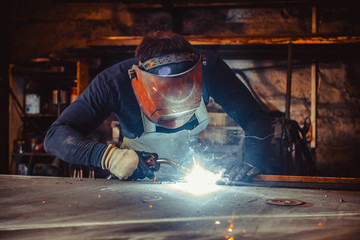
[129, 164]
[236, 171]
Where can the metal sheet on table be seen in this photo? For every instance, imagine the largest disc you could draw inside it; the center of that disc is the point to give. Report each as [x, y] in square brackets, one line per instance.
[67, 208]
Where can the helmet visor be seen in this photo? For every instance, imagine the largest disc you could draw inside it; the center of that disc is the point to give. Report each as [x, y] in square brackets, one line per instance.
[169, 100]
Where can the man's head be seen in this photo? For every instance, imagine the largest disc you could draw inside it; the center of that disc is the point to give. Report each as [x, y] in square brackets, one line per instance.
[161, 43]
[168, 80]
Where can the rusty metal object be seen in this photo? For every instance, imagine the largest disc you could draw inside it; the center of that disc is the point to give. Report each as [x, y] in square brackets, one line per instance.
[306, 179]
[284, 202]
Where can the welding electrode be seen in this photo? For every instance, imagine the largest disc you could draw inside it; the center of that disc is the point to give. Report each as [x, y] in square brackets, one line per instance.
[172, 163]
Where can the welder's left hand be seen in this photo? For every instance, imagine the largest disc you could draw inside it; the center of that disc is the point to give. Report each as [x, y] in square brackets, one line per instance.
[146, 167]
[237, 171]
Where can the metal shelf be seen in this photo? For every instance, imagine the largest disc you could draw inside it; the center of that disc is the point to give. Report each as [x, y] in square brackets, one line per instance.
[37, 154]
[40, 115]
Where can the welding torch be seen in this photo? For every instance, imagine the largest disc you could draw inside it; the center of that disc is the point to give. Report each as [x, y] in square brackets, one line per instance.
[159, 162]
[172, 163]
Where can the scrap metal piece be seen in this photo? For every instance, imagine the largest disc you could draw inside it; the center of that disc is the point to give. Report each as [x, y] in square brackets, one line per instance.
[284, 202]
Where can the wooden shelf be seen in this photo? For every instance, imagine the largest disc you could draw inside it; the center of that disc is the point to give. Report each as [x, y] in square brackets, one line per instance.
[40, 115]
[37, 154]
[234, 40]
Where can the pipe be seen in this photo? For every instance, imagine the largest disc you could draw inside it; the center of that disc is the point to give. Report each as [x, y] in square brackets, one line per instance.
[288, 82]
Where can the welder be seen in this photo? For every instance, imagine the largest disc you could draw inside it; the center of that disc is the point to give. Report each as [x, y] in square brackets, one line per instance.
[159, 98]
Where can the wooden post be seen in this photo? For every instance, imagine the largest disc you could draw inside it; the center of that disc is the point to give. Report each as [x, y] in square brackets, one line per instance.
[288, 82]
[82, 75]
[11, 131]
[313, 77]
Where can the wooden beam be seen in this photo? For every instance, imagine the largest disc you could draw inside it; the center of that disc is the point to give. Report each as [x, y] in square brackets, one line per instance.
[233, 40]
[210, 4]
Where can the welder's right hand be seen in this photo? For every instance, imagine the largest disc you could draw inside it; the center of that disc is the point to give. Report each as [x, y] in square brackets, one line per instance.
[129, 164]
[120, 162]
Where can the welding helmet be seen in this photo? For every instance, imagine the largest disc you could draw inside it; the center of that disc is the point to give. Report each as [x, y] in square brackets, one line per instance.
[168, 96]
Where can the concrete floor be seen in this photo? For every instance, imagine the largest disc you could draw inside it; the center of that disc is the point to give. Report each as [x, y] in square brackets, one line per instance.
[68, 208]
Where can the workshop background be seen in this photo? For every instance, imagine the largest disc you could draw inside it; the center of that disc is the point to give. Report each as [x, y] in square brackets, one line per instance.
[62, 29]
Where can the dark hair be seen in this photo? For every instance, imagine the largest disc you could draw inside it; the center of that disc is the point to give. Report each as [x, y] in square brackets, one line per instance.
[161, 43]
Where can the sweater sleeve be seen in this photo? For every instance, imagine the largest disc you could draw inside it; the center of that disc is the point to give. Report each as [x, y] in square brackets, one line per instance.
[67, 136]
[236, 100]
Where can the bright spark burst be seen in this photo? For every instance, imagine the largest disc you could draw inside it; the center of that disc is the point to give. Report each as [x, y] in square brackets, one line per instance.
[199, 175]
[199, 181]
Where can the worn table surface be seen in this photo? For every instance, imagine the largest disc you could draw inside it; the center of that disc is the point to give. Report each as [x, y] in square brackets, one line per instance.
[68, 208]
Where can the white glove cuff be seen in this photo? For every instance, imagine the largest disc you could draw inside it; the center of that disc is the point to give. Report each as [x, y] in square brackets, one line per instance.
[120, 162]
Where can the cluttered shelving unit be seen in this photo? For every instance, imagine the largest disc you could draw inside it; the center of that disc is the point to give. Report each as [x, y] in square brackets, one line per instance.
[40, 90]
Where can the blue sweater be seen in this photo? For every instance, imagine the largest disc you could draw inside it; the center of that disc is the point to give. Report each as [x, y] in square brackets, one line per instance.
[111, 92]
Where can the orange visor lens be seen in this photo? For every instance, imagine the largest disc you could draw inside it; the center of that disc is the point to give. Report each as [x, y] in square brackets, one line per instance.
[176, 95]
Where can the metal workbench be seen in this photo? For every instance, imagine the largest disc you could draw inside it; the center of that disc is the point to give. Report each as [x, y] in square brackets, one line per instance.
[69, 208]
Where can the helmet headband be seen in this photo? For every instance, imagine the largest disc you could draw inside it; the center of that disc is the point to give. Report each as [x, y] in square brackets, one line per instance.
[167, 59]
